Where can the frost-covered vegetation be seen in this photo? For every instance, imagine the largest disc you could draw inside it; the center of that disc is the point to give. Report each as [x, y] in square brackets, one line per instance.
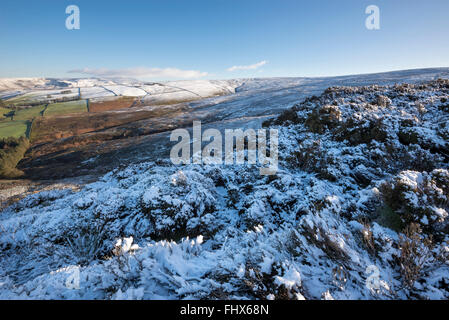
[363, 183]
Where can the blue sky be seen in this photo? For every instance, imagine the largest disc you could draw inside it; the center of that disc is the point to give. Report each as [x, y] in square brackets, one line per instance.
[188, 38]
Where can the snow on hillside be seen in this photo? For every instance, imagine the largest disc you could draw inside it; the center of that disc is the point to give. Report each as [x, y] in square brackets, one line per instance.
[357, 166]
[95, 92]
[188, 90]
[40, 90]
[14, 84]
[121, 90]
[178, 91]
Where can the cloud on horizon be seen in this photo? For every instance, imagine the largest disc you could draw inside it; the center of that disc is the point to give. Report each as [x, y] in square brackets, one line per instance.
[142, 72]
[249, 67]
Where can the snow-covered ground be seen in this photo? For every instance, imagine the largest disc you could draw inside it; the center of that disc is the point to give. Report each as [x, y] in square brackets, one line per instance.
[357, 165]
[40, 90]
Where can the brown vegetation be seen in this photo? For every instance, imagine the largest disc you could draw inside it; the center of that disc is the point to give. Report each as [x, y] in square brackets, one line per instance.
[111, 104]
[416, 250]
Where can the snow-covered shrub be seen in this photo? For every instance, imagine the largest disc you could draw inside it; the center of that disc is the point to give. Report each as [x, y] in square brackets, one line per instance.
[324, 118]
[276, 282]
[420, 197]
[312, 157]
[364, 130]
[123, 246]
[42, 198]
[86, 242]
[383, 101]
[325, 241]
[287, 117]
[183, 207]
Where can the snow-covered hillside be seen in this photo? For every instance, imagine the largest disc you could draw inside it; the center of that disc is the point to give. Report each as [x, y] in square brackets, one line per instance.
[194, 89]
[363, 187]
[38, 89]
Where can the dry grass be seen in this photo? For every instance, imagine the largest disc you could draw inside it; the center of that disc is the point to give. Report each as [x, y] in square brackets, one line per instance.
[416, 251]
[367, 237]
[321, 239]
[111, 104]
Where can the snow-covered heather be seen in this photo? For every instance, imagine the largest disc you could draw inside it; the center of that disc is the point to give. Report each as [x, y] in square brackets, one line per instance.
[357, 165]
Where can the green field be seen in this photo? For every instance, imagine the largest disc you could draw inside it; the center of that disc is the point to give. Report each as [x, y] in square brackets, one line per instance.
[22, 118]
[59, 109]
[4, 111]
[29, 114]
[13, 128]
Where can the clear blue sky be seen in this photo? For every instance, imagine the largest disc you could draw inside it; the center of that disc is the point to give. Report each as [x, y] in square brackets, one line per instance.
[295, 38]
